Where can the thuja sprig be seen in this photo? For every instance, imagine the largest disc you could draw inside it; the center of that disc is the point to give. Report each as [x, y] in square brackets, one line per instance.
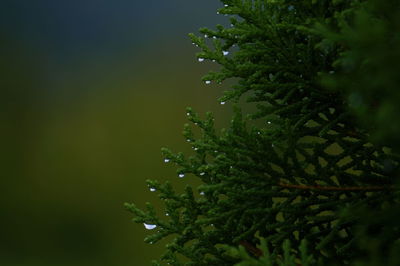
[285, 170]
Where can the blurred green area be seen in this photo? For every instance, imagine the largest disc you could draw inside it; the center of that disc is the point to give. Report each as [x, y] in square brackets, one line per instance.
[76, 146]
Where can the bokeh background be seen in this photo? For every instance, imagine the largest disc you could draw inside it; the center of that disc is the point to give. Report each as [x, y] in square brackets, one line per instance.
[90, 92]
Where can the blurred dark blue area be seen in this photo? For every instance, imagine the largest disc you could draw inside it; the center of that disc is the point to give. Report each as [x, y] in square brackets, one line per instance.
[82, 37]
[91, 90]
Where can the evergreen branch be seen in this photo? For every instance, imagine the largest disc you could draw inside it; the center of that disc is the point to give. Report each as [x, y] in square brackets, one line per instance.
[310, 136]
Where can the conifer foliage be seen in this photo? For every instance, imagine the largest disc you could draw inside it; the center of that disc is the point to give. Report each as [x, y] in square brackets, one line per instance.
[311, 177]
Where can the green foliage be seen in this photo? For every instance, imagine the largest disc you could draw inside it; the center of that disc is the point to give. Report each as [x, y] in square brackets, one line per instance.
[301, 175]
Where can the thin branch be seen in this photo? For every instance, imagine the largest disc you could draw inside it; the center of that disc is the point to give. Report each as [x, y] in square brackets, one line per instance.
[256, 251]
[252, 249]
[330, 188]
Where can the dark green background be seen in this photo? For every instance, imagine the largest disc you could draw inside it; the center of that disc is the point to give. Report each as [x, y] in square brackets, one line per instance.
[90, 92]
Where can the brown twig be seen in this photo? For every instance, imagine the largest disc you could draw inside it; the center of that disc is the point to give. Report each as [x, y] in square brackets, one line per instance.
[252, 249]
[255, 251]
[331, 188]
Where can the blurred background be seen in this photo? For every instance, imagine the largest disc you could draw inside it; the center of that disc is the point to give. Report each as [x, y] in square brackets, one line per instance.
[90, 92]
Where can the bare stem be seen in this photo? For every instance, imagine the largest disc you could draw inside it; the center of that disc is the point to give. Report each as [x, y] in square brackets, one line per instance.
[330, 188]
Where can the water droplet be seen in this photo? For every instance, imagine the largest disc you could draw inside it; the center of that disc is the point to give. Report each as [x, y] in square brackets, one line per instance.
[269, 122]
[149, 226]
[208, 82]
[188, 140]
[187, 114]
[271, 76]
[166, 160]
[225, 52]
[258, 132]
[152, 189]
[181, 175]
[205, 36]
[226, 5]
[222, 103]
[213, 60]
[202, 193]
[202, 173]
[166, 214]
[214, 37]
[200, 59]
